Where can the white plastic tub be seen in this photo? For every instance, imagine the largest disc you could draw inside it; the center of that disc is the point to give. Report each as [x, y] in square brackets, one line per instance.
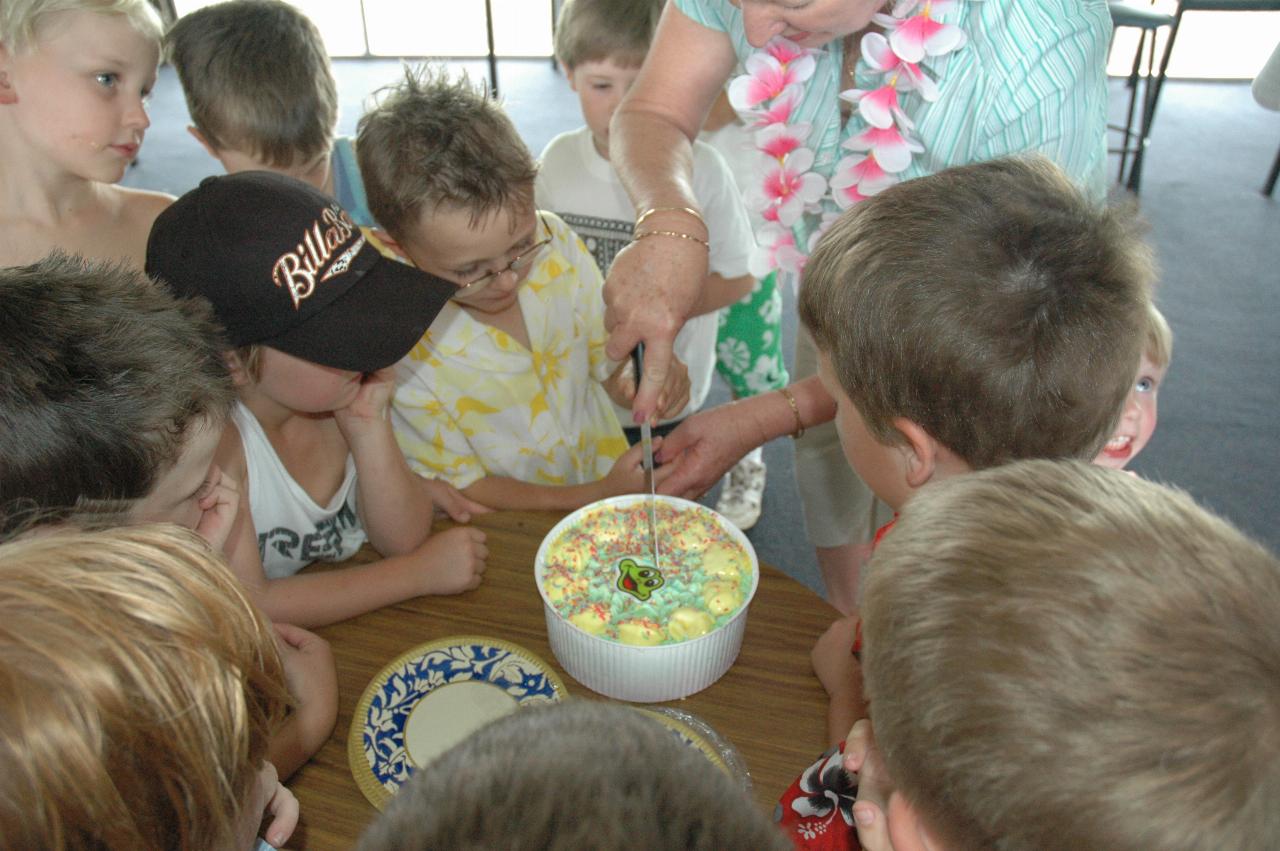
[637, 673]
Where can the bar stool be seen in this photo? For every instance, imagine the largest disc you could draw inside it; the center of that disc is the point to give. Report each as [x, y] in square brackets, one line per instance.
[1133, 143]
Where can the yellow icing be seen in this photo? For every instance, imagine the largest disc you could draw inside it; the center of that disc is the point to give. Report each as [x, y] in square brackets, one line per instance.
[721, 597]
[559, 587]
[639, 632]
[723, 561]
[589, 620]
[686, 623]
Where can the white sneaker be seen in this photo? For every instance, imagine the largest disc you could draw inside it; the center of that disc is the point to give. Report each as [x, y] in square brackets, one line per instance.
[743, 493]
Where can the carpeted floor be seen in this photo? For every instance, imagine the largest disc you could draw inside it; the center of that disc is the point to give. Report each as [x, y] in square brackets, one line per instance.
[1216, 236]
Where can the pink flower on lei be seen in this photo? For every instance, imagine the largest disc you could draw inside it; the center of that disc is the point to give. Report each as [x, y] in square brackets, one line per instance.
[770, 73]
[789, 187]
[893, 147]
[769, 94]
[904, 76]
[775, 249]
[779, 111]
[864, 174]
[913, 38]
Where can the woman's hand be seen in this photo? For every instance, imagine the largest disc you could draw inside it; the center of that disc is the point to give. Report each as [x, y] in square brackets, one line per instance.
[654, 283]
[652, 288]
[703, 448]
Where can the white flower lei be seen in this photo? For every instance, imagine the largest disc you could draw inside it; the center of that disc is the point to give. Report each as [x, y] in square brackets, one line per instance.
[772, 87]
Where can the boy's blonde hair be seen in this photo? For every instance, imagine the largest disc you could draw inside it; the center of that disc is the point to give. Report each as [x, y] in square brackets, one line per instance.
[433, 142]
[257, 80]
[1062, 656]
[104, 377]
[138, 686]
[991, 304]
[21, 20]
[598, 30]
[588, 775]
[1159, 339]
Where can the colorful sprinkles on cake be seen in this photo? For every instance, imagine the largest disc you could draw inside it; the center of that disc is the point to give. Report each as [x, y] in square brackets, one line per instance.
[705, 574]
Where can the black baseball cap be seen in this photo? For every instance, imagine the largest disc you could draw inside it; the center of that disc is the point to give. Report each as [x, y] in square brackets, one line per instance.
[284, 266]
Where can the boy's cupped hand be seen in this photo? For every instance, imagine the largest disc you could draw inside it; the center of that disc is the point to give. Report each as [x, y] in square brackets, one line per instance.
[672, 397]
[451, 562]
[371, 406]
[218, 500]
[627, 473]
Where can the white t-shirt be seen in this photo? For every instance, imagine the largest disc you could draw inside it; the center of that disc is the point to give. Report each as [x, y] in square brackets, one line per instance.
[292, 529]
[580, 186]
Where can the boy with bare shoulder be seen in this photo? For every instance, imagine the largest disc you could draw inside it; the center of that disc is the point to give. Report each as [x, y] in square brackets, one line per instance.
[74, 79]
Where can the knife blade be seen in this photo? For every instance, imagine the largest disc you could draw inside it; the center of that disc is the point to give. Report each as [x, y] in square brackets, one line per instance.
[646, 442]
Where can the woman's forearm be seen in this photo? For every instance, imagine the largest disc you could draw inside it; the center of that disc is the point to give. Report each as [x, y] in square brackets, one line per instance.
[650, 137]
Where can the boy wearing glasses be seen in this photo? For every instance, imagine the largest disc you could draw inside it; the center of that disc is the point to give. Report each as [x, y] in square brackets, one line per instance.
[507, 396]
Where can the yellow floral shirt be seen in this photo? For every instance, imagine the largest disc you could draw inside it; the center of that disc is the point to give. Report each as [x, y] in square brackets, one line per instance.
[473, 402]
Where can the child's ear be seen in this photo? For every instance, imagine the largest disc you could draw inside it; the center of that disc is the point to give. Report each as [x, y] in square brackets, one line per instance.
[204, 143]
[7, 93]
[921, 451]
[907, 830]
[239, 375]
[568, 75]
[387, 240]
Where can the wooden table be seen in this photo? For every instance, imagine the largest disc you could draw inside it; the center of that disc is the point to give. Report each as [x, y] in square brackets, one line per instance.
[769, 704]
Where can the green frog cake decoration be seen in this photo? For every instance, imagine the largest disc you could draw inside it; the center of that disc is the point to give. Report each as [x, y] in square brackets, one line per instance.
[638, 580]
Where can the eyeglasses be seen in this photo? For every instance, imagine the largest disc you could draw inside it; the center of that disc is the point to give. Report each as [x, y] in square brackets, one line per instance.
[518, 264]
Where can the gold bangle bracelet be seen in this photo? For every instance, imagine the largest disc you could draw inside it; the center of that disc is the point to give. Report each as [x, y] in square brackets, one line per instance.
[649, 212]
[795, 411]
[642, 234]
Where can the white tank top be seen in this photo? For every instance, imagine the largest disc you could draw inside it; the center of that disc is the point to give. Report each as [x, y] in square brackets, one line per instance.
[292, 530]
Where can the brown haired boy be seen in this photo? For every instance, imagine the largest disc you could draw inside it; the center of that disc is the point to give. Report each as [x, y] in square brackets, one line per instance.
[1090, 661]
[261, 94]
[978, 316]
[113, 398]
[507, 396]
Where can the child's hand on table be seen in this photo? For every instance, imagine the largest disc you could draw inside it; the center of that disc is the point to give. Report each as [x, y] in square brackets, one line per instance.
[277, 806]
[313, 682]
[451, 502]
[450, 562]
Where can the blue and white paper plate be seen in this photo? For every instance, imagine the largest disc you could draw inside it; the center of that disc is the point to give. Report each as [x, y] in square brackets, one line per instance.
[433, 697]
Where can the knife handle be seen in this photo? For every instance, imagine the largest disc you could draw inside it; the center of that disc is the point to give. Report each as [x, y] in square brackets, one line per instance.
[637, 361]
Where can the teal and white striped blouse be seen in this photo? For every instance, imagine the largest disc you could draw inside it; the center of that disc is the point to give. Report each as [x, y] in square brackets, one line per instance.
[1031, 78]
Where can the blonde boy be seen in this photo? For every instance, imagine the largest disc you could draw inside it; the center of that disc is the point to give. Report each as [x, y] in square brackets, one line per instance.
[964, 320]
[505, 396]
[314, 317]
[1138, 422]
[261, 95]
[113, 399]
[138, 686]
[1090, 660]
[74, 79]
